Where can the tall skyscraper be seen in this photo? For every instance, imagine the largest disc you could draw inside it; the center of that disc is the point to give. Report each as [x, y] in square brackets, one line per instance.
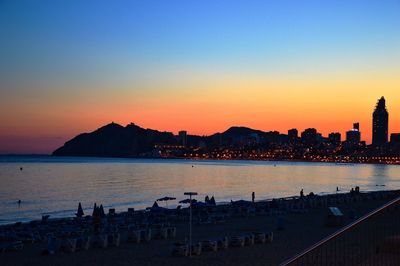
[380, 123]
[183, 137]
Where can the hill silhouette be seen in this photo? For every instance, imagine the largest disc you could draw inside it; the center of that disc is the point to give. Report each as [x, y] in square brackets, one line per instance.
[114, 140]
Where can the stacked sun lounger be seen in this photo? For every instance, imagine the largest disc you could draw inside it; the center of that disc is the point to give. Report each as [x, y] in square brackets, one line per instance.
[12, 245]
[180, 249]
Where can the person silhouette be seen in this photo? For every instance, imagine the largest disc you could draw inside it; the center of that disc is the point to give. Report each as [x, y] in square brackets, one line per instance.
[253, 196]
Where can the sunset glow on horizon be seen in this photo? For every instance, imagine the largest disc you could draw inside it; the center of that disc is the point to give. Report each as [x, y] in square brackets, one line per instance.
[201, 67]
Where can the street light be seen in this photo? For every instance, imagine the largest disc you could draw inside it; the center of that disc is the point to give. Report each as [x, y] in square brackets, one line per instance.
[190, 194]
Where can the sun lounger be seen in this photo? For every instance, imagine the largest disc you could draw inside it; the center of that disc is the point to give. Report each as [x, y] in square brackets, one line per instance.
[209, 245]
[159, 233]
[11, 246]
[99, 241]
[236, 241]
[133, 236]
[269, 237]
[280, 223]
[26, 236]
[131, 211]
[45, 218]
[196, 249]
[68, 245]
[259, 237]
[180, 250]
[218, 219]
[249, 240]
[113, 239]
[82, 243]
[111, 212]
[171, 232]
[145, 235]
[53, 245]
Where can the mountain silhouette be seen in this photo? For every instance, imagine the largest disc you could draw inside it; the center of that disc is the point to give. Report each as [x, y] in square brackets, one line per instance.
[240, 132]
[114, 140]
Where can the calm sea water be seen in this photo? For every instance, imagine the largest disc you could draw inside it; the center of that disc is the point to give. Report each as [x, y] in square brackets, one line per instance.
[55, 185]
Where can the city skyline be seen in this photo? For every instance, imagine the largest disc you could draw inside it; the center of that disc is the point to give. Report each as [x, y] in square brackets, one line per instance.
[361, 130]
[71, 67]
[241, 143]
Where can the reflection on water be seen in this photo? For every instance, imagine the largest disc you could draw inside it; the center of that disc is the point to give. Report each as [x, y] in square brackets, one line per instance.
[56, 185]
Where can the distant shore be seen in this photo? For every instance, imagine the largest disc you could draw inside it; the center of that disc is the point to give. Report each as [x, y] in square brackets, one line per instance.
[206, 159]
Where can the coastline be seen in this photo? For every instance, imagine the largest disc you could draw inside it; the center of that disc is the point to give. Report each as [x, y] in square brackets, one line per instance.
[222, 204]
[339, 162]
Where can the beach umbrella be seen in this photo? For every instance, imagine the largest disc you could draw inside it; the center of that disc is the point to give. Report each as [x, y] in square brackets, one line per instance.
[166, 199]
[79, 213]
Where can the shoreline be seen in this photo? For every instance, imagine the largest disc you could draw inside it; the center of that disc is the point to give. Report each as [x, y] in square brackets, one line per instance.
[199, 159]
[221, 204]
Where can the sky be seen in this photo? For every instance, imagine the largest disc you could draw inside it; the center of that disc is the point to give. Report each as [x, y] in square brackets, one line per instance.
[71, 66]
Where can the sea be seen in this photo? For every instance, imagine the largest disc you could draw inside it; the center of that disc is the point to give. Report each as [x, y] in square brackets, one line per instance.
[54, 186]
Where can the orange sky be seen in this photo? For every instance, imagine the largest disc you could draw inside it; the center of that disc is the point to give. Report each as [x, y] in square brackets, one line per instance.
[201, 104]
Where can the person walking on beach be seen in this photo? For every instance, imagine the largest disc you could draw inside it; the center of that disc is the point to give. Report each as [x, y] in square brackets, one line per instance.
[301, 193]
[253, 196]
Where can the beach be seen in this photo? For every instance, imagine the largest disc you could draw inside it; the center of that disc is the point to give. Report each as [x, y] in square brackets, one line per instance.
[54, 185]
[300, 228]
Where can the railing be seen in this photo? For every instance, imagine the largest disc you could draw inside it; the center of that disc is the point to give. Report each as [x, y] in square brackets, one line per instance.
[373, 239]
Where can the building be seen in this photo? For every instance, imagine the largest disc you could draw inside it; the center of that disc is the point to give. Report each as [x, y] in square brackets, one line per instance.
[395, 144]
[353, 137]
[335, 138]
[293, 134]
[309, 136]
[395, 138]
[380, 123]
[183, 137]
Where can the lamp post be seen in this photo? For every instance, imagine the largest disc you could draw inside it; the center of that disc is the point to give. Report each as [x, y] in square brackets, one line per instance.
[190, 194]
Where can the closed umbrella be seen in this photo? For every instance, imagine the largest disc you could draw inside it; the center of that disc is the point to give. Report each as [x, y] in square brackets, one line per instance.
[79, 213]
[94, 209]
[102, 213]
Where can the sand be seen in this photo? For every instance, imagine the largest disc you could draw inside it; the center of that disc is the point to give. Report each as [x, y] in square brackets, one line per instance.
[301, 231]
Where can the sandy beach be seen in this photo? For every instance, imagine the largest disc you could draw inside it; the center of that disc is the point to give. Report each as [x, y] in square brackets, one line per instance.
[300, 230]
